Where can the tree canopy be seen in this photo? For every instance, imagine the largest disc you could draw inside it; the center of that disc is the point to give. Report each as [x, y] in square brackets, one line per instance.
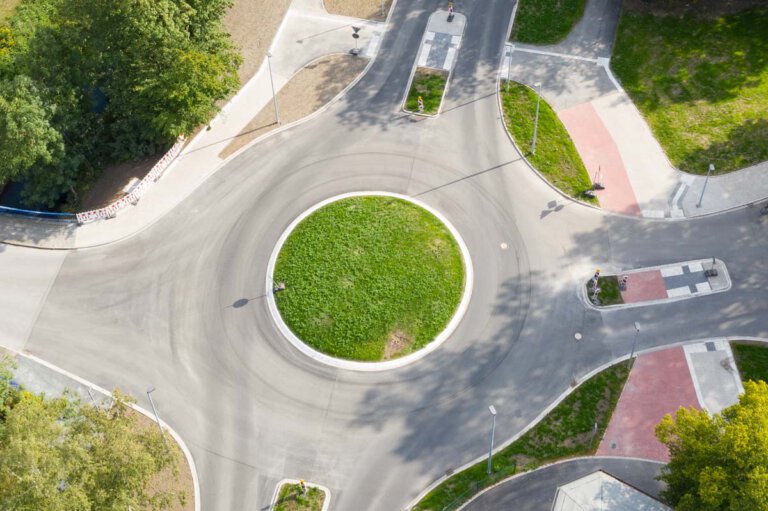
[719, 462]
[104, 81]
[62, 455]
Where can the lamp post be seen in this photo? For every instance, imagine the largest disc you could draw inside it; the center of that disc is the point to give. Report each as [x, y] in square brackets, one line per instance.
[493, 433]
[634, 344]
[272, 82]
[536, 121]
[150, 390]
[706, 180]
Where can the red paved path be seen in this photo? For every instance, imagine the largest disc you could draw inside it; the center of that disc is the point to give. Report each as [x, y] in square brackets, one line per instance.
[660, 382]
[644, 286]
[598, 150]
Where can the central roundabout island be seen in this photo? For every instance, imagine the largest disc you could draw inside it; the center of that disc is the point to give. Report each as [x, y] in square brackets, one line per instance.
[370, 278]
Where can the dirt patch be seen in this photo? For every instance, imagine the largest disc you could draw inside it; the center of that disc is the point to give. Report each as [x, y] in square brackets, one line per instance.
[252, 25]
[110, 186]
[177, 478]
[367, 9]
[698, 8]
[397, 343]
[308, 90]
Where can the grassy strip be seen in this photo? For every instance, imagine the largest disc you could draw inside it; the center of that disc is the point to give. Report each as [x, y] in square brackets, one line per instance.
[369, 278]
[752, 360]
[545, 21]
[610, 293]
[567, 431]
[556, 156]
[291, 498]
[702, 85]
[430, 85]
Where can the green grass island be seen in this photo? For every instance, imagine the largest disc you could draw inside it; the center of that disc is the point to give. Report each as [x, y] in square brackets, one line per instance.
[369, 278]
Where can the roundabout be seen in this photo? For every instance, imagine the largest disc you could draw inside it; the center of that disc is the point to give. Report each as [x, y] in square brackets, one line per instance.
[369, 281]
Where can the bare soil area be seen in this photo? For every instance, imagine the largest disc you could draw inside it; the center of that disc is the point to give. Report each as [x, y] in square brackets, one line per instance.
[178, 478]
[310, 89]
[366, 9]
[109, 187]
[699, 8]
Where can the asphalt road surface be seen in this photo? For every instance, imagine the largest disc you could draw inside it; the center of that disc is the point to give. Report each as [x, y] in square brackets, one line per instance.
[158, 307]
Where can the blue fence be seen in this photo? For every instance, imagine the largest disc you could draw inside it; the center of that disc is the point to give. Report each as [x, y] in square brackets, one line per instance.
[37, 214]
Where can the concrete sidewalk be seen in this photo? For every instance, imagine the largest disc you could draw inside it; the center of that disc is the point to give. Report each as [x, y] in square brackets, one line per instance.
[307, 33]
[615, 142]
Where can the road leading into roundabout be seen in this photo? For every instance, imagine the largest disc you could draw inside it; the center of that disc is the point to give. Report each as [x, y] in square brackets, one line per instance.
[158, 308]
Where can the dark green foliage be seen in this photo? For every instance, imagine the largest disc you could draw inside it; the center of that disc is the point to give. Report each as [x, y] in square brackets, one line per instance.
[119, 78]
[752, 360]
[610, 293]
[546, 21]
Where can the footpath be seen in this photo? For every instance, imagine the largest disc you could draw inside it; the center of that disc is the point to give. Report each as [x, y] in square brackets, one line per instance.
[611, 135]
[701, 375]
[307, 33]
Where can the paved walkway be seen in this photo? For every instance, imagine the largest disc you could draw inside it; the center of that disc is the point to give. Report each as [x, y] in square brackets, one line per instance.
[673, 281]
[307, 33]
[441, 41]
[701, 375]
[616, 144]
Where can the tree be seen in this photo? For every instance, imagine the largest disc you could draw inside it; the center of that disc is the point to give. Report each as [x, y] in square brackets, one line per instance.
[719, 462]
[27, 138]
[62, 455]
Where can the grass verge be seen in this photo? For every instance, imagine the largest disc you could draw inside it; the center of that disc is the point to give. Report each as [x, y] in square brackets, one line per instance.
[430, 85]
[369, 278]
[545, 21]
[291, 498]
[567, 431]
[752, 360]
[700, 81]
[556, 157]
[609, 294]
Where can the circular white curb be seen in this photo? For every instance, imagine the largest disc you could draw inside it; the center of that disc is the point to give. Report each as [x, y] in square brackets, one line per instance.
[370, 366]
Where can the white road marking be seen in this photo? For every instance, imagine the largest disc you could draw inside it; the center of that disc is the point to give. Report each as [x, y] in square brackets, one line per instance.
[671, 271]
[423, 55]
[678, 291]
[449, 58]
[703, 287]
[695, 267]
[553, 54]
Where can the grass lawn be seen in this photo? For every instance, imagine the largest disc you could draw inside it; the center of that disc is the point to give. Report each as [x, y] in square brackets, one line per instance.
[290, 498]
[752, 360]
[369, 278]
[609, 294]
[567, 431]
[556, 156]
[545, 21]
[7, 7]
[429, 84]
[700, 81]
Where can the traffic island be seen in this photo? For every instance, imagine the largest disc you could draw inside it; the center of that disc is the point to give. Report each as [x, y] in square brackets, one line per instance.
[426, 93]
[293, 495]
[657, 284]
[369, 278]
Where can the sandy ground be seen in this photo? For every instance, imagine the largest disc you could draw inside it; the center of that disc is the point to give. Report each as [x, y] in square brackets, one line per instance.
[109, 187]
[310, 89]
[368, 9]
[252, 25]
[166, 480]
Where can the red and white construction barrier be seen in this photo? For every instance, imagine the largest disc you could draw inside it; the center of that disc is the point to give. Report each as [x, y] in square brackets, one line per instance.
[138, 191]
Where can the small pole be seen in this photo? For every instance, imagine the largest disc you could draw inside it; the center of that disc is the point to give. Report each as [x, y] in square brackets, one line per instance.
[536, 122]
[492, 409]
[634, 344]
[382, 8]
[272, 82]
[150, 390]
[706, 180]
[509, 66]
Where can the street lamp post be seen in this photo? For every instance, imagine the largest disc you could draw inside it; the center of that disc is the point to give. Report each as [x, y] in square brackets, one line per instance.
[150, 390]
[634, 344]
[493, 433]
[536, 121]
[272, 82]
[706, 180]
